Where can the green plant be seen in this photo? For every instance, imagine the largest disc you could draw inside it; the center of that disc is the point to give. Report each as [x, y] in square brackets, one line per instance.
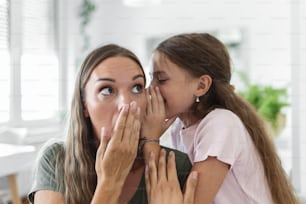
[267, 100]
[85, 13]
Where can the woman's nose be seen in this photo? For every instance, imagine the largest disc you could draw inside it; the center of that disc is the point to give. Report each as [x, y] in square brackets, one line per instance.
[124, 99]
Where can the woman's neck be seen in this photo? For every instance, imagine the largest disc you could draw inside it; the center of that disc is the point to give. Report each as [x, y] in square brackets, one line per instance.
[132, 182]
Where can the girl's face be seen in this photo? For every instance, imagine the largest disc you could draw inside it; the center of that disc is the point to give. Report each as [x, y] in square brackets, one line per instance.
[114, 82]
[176, 85]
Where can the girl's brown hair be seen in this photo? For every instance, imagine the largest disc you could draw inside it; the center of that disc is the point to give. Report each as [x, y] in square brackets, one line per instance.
[81, 145]
[202, 54]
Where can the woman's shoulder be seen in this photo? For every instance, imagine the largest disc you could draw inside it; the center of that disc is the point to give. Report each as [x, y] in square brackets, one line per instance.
[51, 149]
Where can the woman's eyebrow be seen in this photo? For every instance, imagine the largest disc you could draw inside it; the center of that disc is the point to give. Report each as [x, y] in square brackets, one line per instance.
[113, 80]
[138, 76]
[105, 79]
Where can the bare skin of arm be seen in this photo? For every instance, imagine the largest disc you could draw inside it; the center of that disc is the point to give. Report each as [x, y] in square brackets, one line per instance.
[211, 174]
[48, 197]
[115, 157]
[154, 124]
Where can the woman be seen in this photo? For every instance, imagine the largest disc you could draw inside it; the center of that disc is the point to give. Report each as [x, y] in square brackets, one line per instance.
[106, 105]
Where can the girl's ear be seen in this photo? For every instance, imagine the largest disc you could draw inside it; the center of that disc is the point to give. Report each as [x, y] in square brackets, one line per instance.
[204, 84]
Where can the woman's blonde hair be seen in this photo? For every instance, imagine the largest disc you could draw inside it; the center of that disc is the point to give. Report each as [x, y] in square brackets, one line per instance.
[202, 54]
[81, 143]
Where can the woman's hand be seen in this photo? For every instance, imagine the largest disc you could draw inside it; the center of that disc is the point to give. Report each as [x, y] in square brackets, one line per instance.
[116, 154]
[162, 184]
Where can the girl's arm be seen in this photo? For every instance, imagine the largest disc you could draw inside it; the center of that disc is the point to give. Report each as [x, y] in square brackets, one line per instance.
[211, 174]
[154, 123]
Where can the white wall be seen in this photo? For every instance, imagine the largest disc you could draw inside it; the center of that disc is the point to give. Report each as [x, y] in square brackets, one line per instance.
[298, 39]
[267, 25]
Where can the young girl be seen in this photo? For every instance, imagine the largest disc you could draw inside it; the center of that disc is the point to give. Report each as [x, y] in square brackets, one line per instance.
[223, 135]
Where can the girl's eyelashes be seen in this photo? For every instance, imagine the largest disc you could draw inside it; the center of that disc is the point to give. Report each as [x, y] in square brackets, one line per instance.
[160, 77]
[160, 81]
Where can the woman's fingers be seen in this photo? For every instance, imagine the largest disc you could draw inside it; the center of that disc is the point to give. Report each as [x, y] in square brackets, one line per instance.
[148, 182]
[190, 187]
[171, 169]
[162, 184]
[120, 124]
[152, 170]
[131, 124]
[104, 139]
[162, 174]
[134, 138]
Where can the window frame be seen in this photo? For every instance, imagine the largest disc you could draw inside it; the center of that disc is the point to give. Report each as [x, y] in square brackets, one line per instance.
[15, 52]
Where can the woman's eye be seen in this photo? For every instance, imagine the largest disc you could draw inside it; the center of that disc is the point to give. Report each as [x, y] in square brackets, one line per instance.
[106, 91]
[137, 88]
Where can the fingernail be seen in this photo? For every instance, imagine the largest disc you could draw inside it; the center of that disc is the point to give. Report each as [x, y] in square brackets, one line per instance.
[151, 154]
[172, 154]
[133, 104]
[103, 132]
[147, 168]
[126, 107]
[194, 175]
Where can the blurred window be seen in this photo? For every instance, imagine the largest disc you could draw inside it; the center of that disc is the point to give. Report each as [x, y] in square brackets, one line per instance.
[29, 72]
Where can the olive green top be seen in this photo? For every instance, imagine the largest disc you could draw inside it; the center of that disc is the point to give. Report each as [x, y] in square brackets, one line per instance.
[44, 173]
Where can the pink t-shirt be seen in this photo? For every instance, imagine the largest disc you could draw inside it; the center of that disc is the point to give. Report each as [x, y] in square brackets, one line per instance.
[221, 134]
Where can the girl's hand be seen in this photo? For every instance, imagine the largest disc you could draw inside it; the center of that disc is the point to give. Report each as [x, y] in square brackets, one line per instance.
[116, 154]
[162, 184]
[155, 123]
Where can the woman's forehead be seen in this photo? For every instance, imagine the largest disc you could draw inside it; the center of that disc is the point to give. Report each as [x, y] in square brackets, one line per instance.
[117, 69]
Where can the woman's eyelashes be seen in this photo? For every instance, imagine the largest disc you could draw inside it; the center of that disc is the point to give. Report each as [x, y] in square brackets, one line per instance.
[106, 91]
[109, 91]
[138, 88]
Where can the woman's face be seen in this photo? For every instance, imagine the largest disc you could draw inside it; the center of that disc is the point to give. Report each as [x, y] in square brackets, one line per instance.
[114, 82]
[176, 85]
